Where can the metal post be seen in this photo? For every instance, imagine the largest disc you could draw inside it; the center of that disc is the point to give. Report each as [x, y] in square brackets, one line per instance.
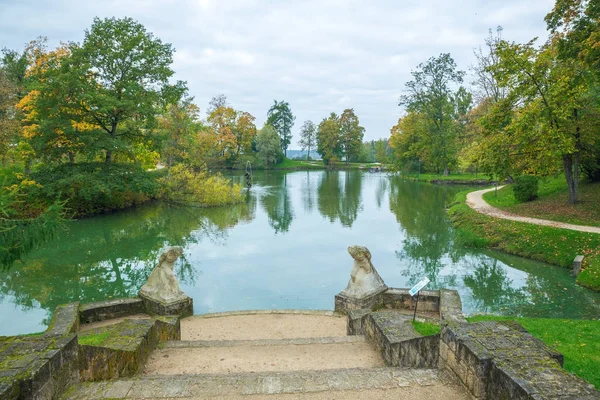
[416, 305]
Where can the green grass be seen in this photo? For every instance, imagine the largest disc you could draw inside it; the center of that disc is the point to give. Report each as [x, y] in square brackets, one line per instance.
[577, 340]
[318, 164]
[93, 339]
[552, 202]
[452, 177]
[551, 245]
[426, 328]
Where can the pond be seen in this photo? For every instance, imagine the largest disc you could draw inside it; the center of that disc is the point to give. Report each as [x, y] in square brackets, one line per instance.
[284, 248]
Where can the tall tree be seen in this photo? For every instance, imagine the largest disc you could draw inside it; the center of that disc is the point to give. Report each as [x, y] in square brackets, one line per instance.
[177, 128]
[329, 139]
[431, 94]
[308, 137]
[486, 83]
[115, 80]
[222, 120]
[281, 118]
[245, 132]
[351, 134]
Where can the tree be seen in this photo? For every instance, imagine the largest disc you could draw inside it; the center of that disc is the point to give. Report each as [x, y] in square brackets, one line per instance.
[281, 118]
[178, 128]
[245, 132]
[430, 94]
[268, 144]
[555, 114]
[328, 139]
[486, 83]
[223, 120]
[217, 102]
[308, 138]
[116, 81]
[351, 134]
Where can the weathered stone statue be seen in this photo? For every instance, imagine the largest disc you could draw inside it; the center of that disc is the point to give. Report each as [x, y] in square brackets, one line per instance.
[161, 293]
[365, 288]
[364, 279]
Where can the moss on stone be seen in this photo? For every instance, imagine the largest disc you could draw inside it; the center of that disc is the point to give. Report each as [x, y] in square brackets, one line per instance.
[93, 339]
[426, 328]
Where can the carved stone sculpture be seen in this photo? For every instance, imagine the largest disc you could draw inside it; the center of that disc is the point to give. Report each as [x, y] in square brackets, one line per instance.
[364, 279]
[161, 293]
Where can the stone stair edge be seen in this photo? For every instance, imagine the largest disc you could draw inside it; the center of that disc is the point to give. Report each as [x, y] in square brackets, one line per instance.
[175, 344]
[326, 313]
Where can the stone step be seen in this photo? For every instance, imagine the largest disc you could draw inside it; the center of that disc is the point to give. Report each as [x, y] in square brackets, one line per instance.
[358, 383]
[283, 355]
[270, 324]
[178, 344]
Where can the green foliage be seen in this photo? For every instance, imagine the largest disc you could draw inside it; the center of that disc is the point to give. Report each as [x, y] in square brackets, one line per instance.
[93, 188]
[430, 97]
[329, 144]
[426, 328]
[577, 340]
[24, 225]
[351, 134]
[525, 188]
[281, 118]
[183, 185]
[268, 144]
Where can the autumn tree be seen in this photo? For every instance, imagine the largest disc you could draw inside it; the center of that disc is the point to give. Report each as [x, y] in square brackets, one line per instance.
[281, 118]
[329, 144]
[431, 93]
[308, 139]
[178, 128]
[222, 120]
[116, 80]
[351, 134]
[245, 132]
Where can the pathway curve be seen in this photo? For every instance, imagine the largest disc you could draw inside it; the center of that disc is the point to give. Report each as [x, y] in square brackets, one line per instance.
[476, 202]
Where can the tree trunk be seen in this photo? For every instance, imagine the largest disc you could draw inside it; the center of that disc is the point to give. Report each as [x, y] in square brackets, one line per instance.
[308, 154]
[571, 176]
[108, 158]
[71, 158]
[446, 171]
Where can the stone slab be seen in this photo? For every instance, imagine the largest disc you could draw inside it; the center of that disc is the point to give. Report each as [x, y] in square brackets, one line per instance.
[103, 310]
[266, 383]
[182, 308]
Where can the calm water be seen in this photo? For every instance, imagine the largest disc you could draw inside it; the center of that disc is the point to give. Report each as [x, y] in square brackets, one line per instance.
[285, 247]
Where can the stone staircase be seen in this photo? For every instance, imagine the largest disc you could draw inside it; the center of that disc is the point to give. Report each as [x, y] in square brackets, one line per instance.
[267, 355]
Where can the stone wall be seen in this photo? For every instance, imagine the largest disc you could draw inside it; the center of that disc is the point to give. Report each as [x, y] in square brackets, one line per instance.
[494, 360]
[41, 366]
[401, 346]
[103, 310]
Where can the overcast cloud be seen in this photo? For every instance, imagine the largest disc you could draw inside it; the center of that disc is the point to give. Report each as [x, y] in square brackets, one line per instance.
[320, 56]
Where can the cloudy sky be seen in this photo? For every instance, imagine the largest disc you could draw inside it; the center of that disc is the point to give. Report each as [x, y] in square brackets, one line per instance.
[319, 55]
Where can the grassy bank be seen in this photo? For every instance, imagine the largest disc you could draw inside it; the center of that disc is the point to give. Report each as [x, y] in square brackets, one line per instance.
[288, 164]
[542, 243]
[552, 202]
[452, 179]
[577, 340]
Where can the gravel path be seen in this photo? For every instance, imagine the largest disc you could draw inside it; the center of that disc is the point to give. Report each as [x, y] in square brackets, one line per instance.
[476, 202]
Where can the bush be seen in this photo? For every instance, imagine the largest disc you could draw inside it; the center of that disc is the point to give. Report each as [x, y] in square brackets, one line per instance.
[525, 188]
[93, 188]
[185, 186]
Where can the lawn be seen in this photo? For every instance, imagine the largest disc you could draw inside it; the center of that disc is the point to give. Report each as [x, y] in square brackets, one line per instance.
[552, 245]
[458, 178]
[552, 202]
[577, 340]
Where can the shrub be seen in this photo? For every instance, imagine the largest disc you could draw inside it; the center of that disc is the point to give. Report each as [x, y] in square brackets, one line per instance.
[525, 188]
[186, 186]
[92, 188]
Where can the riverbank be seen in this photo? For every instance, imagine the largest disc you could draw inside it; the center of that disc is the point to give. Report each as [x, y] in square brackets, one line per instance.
[452, 179]
[302, 165]
[551, 245]
[577, 340]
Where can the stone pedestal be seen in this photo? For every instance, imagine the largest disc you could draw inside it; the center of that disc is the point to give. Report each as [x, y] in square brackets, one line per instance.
[343, 304]
[183, 307]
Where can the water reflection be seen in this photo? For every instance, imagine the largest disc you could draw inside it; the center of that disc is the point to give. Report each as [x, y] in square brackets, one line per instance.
[284, 247]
